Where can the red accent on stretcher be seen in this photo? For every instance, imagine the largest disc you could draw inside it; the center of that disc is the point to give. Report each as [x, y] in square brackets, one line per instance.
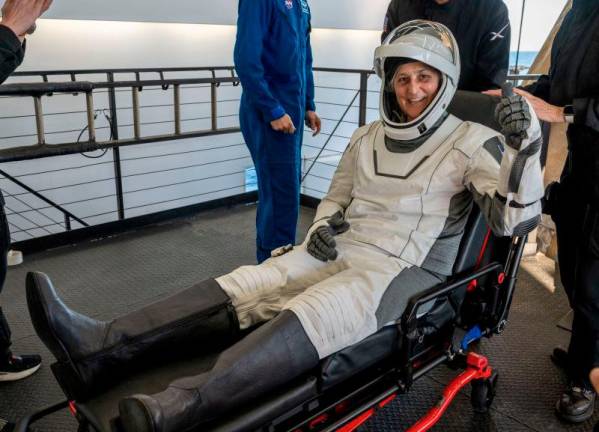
[501, 278]
[318, 421]
[73, 408]
[478, 368]
[473, 284]
[357, 422]
[386, 401]
[481, 255]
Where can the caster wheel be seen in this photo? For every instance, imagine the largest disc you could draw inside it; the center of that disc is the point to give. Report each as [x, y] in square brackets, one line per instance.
[483, 393]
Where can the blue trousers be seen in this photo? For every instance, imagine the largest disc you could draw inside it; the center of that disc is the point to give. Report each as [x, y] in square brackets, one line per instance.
[277, 158]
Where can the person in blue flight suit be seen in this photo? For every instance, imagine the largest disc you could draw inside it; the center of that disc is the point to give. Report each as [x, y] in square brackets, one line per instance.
[273, 59]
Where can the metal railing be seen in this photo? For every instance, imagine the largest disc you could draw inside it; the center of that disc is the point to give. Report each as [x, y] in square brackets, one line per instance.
[131, 177]
[38, 208]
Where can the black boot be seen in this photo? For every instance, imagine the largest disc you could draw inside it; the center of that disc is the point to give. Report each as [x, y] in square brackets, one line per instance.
[90, 352]
[576, 404]
[266, 359]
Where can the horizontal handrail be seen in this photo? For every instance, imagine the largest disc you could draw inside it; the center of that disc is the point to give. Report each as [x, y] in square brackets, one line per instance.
[39, 89]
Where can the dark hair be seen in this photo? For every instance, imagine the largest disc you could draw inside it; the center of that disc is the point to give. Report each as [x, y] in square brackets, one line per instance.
[393, 63]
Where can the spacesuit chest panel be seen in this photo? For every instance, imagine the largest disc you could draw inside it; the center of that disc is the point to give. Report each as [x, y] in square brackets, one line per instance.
[403, 165]
[404, 216]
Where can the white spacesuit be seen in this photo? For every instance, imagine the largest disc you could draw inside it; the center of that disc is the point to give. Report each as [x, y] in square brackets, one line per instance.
[389, 228]
[406, 190]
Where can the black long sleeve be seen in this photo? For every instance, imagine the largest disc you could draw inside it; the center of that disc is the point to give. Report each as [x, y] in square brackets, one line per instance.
[493, 52]
[541, 88]
[11, 52]
[390, 20]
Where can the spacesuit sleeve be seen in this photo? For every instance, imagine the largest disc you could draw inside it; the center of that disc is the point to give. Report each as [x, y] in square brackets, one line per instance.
[507, 184]
[252, 30]
[493, 52]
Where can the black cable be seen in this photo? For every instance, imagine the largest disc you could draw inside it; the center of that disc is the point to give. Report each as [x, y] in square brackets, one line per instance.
[109, 120]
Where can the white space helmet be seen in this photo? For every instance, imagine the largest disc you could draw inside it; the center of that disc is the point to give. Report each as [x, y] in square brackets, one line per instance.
[427, 42]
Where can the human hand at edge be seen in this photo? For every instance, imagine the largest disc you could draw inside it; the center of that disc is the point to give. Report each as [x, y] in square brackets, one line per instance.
[313, 122]
[493, 92]
[20, 15]
[544, 111]
[283, 124]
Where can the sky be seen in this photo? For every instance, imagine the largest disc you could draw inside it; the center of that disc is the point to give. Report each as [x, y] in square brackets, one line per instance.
[539, 17]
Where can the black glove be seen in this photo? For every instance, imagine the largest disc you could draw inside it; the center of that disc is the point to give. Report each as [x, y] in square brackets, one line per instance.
[322, 244]
[513, 115]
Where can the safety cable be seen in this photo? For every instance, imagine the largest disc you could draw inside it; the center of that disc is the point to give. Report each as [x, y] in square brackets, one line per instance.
[186, 197]
[519, 37]
[33, 209]
[27, 219]
[183, 182]
[19, 230]
[332, 133]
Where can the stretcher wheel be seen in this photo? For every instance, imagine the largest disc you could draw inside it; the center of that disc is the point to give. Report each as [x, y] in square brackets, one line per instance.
[483, 393]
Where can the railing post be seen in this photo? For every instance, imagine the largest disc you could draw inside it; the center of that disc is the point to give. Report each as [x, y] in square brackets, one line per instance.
[116, 152]
[39, 120]
[91, 128]
[177, 108]
[363, 98]
[67, 222]
[213, 105]
[135, 100]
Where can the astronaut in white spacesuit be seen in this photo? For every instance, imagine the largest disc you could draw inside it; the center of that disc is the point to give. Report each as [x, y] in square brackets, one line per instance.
[389, 227]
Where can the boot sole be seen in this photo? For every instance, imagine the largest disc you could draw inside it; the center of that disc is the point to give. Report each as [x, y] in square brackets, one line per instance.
[135, 416]
[15, 376]
[578, 418]
[64, 369]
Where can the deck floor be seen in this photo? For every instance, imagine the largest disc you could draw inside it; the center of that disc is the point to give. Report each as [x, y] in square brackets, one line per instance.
[109, 277]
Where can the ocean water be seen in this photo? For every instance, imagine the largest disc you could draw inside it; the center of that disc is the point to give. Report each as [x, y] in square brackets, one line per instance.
[525, 60]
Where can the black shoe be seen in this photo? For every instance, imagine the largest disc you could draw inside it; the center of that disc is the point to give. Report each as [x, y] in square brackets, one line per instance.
[14, 368]
[559, 357]
[6, 426]
[576, 404]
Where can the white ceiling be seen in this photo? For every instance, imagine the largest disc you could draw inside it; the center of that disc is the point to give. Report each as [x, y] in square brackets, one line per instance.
[340, 14]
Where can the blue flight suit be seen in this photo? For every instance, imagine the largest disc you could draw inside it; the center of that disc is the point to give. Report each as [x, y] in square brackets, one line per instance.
[273, 59]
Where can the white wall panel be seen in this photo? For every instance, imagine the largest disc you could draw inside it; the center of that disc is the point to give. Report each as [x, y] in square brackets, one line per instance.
[326, 13]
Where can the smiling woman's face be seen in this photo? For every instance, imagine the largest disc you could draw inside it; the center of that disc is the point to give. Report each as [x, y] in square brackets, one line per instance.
[415, 85]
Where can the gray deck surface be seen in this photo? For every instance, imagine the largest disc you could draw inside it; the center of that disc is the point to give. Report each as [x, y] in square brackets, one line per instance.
[109, 277]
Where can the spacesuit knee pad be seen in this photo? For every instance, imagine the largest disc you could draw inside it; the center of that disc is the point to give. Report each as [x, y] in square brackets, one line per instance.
[249, 287]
